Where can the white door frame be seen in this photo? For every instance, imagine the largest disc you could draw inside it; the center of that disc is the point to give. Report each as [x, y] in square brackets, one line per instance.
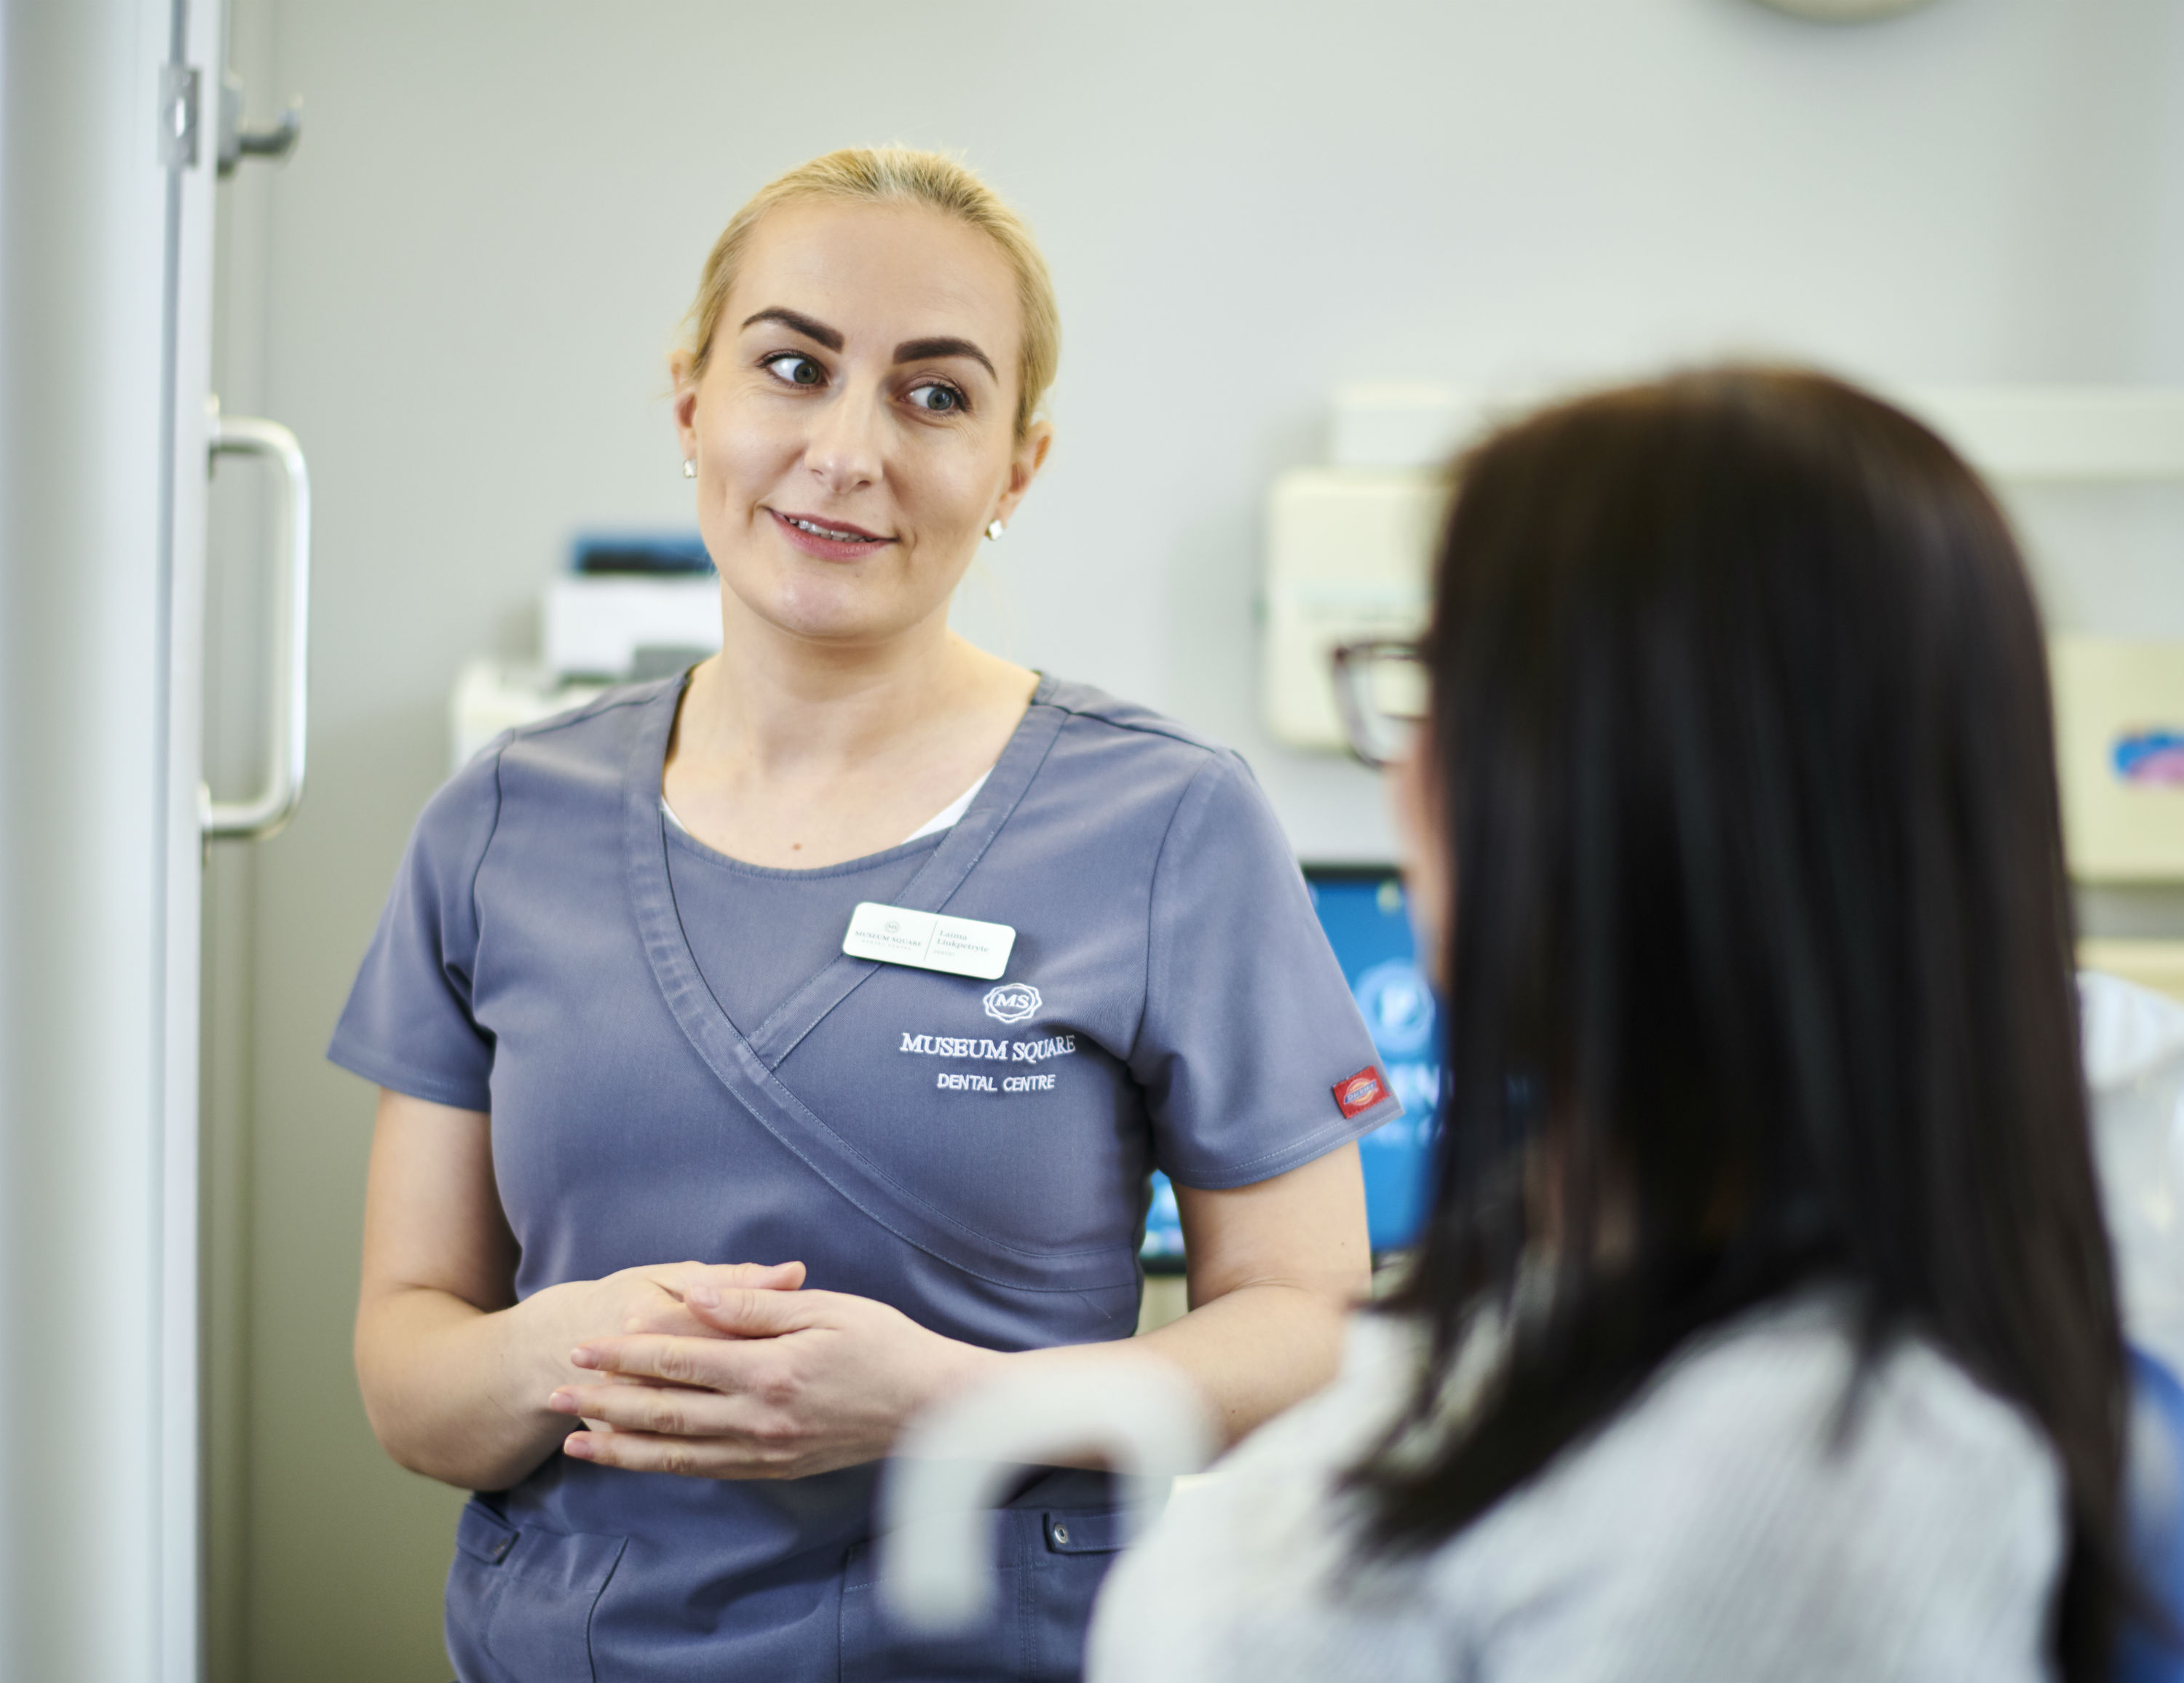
[105, 278]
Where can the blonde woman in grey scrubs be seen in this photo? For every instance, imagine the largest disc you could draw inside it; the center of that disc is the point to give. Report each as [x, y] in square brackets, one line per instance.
[677, 1210]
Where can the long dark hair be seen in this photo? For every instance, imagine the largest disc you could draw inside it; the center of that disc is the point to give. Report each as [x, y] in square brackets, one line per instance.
[1761, 967]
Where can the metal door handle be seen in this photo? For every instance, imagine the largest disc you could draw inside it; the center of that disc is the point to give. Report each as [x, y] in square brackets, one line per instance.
[276, 803]
[237, 142]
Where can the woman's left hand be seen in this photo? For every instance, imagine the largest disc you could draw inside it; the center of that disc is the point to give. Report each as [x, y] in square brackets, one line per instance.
[796, 1382]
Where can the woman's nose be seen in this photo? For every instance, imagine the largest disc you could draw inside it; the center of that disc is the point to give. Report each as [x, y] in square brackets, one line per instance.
[844, 451]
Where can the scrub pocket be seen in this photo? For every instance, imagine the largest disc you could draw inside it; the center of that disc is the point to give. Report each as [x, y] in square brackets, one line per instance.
[520, 1600]
[1051, 1561]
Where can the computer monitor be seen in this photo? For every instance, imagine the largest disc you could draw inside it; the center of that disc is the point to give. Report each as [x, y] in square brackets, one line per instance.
[1368, 922]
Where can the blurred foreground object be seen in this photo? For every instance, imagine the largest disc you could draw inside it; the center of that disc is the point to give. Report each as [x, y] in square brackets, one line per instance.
[936, 1548]
[2155, 1502]
[2134, 1056]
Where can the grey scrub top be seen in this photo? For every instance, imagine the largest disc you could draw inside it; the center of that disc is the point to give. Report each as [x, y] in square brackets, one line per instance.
[680, 1062]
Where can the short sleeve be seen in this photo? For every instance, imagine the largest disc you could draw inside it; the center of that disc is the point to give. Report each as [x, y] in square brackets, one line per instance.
[408, 1024]
[1252, 1053]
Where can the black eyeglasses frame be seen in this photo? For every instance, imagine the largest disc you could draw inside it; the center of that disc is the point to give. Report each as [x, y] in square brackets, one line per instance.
[1351, 663]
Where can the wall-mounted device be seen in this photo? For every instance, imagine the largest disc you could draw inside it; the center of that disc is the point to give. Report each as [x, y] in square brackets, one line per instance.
[2120, 745]
[1345, 559]
[1348, 544]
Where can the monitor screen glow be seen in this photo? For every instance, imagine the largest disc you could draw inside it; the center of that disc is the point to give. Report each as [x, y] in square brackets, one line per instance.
[1368, 922]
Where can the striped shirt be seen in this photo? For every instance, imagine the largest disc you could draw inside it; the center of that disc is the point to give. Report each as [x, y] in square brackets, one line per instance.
[1717, 1527]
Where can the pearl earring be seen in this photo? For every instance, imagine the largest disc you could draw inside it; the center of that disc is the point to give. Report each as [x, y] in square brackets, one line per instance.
[689, 467]
[994, 530]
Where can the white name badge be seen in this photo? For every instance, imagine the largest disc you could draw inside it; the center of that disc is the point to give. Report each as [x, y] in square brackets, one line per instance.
[962, 946]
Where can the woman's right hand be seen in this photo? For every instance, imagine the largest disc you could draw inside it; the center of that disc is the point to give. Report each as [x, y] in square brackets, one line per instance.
[646, 1299]
[454, 1372]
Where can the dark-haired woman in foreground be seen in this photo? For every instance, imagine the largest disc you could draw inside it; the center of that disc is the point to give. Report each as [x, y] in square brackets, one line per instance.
[1764, 1325]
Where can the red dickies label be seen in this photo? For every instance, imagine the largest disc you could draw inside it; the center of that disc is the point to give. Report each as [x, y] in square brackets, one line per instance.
[1355, 1095]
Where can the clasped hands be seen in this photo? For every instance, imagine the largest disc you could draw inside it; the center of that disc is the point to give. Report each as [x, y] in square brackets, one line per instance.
[734, 1371]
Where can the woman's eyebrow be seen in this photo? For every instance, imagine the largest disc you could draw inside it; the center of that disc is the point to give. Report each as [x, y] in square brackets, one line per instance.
[805, 325]
[918, 350]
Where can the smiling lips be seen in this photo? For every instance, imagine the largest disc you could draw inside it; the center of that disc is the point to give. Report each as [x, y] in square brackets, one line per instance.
[831, 540]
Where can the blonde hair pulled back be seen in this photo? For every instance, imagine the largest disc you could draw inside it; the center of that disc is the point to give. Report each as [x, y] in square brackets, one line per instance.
[896, 174]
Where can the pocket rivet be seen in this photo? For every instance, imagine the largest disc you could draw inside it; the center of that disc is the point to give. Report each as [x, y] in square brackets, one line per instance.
[1061, 1535]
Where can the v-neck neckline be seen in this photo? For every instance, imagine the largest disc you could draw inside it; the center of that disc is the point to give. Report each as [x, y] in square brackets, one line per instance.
[667, 943]
[744, 1065]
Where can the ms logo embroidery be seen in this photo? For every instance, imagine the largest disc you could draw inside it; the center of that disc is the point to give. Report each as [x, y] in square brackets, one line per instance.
[1012, 1002]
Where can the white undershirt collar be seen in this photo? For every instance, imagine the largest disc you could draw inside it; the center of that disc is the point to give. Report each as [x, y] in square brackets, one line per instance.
[946, 819]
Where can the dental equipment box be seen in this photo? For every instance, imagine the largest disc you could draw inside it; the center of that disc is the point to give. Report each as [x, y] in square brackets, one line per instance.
[630, 607]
